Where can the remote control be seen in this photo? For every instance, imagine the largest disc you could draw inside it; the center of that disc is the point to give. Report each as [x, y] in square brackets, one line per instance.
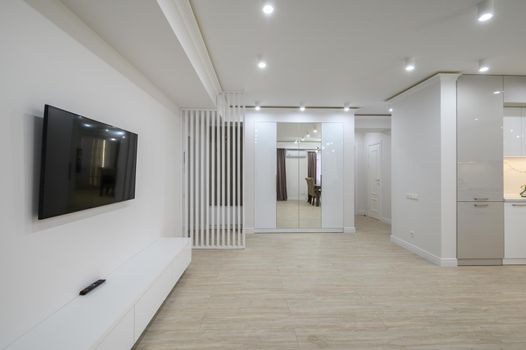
[91, 287]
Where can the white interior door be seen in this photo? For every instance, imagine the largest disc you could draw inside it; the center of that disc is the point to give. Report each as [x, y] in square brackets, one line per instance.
[374, 181]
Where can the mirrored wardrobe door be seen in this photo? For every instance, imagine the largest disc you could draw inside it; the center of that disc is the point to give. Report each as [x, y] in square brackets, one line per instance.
[310, 176]
[287, 173]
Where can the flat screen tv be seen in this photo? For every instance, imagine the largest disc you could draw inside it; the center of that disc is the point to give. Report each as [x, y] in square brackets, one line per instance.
[84, 164]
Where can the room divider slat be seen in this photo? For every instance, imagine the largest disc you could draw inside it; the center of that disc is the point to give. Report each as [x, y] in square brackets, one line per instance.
[213, 186]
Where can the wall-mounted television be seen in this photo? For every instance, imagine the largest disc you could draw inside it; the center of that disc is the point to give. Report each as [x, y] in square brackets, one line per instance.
[84, 164]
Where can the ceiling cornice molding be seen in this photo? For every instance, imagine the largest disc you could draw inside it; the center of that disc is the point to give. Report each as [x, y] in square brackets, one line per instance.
[421, 84]
[181, 18]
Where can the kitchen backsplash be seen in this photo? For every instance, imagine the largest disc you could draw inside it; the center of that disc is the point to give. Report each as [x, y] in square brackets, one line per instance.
[514, 174]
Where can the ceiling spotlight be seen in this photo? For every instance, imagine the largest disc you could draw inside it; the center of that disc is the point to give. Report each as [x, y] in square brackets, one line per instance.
[483, 66]
[268, 9]
[257, 107]
[409, 64]
[302, 108]
[308, 135]
[486, 10]
[391, 110]
[262, 64]
[315, 131]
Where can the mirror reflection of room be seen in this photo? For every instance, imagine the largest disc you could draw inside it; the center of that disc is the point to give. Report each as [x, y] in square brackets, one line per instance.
[298, 185]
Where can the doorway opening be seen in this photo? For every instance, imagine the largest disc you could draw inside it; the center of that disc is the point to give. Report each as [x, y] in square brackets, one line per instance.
[373, 178]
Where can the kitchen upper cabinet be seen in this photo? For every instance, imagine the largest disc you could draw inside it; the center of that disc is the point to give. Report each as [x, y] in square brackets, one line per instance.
[513, 129]
[480, 138]
[515, 90]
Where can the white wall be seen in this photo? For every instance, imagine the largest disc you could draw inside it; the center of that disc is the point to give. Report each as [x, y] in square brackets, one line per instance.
[43, 264]
[423, 164]
[293, 116]
[365, 138]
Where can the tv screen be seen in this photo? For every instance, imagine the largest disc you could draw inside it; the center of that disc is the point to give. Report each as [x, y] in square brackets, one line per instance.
[85, 163]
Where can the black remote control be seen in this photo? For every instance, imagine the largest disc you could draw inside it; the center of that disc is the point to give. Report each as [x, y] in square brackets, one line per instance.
[91, 287]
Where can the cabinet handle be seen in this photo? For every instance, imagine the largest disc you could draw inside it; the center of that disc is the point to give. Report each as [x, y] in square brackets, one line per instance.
[481, 199]
[519, 205]
[481, 205]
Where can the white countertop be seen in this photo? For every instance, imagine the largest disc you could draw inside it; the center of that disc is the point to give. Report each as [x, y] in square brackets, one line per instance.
[514, 198]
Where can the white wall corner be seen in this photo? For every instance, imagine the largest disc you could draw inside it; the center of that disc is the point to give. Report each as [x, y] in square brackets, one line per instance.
[349, 229]
[182, 20]
[448, 164]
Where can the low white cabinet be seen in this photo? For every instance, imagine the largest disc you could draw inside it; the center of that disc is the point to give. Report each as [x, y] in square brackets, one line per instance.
[515, 232]
[113, 316]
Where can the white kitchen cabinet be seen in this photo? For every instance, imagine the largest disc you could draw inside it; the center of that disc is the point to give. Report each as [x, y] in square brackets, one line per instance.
[479, 138]
[514, 90]
[513, 129]
[515, 232]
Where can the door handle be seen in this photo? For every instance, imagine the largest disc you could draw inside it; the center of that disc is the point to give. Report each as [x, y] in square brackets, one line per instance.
[481, 205]
[519, 205]
[481, 199]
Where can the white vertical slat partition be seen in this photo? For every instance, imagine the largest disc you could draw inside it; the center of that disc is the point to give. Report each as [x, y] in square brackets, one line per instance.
[213, 173]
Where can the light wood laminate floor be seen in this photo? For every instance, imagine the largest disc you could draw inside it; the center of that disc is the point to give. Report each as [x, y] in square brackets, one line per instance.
[297, 214]
[338, 291]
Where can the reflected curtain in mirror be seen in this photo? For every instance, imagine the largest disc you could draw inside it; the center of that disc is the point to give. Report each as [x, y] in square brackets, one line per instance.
[281, 181]
[311, 166]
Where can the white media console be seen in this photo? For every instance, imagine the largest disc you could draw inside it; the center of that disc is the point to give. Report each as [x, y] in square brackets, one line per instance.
[114, 315]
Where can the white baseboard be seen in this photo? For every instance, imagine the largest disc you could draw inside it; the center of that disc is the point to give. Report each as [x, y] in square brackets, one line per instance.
[349, 229]
[248, 230]
[444, 262]
[386, 221]
[513, 261]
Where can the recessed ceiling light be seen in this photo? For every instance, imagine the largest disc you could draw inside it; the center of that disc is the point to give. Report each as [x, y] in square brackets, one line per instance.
[268, 8]
[262, 64]
[315, 131]
[302, 108]
[486, 10]
[483, 66]
[409, 64]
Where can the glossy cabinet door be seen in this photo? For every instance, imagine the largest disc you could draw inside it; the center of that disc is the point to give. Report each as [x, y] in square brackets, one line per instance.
[515, 89]
[332, 170]
[265, 175]
[513, 132]
[480, 138]
[480, 233]
[515, 232]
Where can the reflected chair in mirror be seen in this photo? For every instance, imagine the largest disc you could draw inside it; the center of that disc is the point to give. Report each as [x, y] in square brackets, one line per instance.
[314, 192]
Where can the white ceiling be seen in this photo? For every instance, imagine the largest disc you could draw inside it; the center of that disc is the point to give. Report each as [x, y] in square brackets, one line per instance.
[331, 52]
[139, 31]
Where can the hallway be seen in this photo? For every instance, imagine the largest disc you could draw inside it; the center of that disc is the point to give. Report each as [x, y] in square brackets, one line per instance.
[338, 291]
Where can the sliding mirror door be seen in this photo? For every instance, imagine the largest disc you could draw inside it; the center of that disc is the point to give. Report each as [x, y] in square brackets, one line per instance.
[298, 176]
